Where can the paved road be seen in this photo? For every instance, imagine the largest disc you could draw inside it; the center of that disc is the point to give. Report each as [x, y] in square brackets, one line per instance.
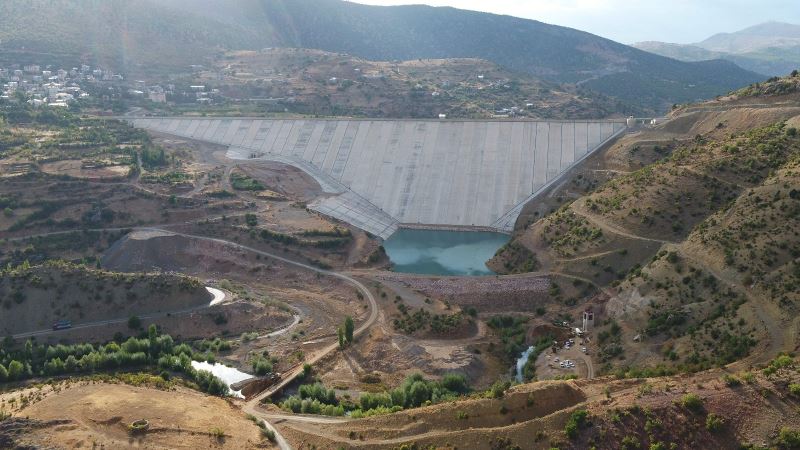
[100, 323]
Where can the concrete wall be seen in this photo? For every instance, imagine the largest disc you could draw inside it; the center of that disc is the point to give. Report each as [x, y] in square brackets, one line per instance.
[450, 172]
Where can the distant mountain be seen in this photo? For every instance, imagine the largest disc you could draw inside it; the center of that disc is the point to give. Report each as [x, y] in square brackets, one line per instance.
[176, 33]
[683, 52]
[771, 49]
[755, 38]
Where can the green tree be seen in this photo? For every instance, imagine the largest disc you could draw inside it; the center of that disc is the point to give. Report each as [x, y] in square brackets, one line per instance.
[3, 373]
[349, 329]
[340, 333]
[71, 364]
[419, 393]
[152, 332]
[16, 370]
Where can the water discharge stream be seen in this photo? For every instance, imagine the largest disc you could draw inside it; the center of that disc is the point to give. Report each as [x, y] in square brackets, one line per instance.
[523, 359]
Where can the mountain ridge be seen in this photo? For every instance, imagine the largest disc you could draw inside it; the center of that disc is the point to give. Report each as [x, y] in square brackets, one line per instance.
[177, 33]
[770, 48]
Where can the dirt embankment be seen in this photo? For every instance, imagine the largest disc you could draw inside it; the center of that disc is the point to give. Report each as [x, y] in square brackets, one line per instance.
[518, 293]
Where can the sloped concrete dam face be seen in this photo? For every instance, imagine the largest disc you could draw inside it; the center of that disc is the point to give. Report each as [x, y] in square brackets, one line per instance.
[385, 173]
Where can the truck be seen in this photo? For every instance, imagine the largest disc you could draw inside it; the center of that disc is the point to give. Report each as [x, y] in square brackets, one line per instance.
[62, 325]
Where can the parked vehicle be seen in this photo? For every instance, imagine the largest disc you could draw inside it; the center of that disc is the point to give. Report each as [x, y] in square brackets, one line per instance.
[62, 325]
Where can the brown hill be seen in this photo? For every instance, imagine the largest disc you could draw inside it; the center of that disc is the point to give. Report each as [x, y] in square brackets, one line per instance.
[36, 297]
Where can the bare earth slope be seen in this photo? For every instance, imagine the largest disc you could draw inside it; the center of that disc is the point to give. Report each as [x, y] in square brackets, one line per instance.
[36, 297]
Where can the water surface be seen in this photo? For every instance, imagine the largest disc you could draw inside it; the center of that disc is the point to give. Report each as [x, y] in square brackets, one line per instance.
[227, 374]
[435, 252]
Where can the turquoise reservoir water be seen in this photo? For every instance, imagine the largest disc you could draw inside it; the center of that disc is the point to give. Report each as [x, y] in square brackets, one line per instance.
[431, 252]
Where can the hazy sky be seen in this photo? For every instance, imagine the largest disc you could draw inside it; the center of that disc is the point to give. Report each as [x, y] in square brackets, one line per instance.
[628, 21]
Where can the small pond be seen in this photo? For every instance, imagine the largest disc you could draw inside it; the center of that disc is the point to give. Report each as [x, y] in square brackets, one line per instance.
[437, 252]
[227, 374]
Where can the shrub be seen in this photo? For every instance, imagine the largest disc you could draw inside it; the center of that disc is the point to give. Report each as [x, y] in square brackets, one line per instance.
[217, 433]
[714, 422]
[731, 380]
[576, 421]
[794, 388]
[629, 443]
[261, 366]
[692, 402]
[789, 438]
[499, 389]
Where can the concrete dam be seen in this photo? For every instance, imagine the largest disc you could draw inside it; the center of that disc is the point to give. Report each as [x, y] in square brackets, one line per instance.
[379, 175]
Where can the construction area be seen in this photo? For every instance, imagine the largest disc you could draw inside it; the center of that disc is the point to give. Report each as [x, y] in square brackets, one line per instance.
[380, 174]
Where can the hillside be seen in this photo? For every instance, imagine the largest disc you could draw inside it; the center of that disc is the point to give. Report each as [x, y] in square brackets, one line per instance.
[128, 36]
[719, 409]
[318, 82]
[771, 49]
[175, 34]
[554, 53]
[692, 241]
[34, 297]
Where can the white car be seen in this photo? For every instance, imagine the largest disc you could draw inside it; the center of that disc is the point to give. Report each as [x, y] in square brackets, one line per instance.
[563, 365]
[583, 349]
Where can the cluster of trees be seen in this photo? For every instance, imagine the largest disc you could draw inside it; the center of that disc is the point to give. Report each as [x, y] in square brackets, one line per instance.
[20, 112]
[414, 392]
[314, 399]
[412, 321]
[154, 350]
[512, 333]
[345, 332]
[242, 182]
[261, 365]
[153, 156]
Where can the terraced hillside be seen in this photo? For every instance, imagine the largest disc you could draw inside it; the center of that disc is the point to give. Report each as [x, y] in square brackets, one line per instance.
[316, 82]
[697, 250]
